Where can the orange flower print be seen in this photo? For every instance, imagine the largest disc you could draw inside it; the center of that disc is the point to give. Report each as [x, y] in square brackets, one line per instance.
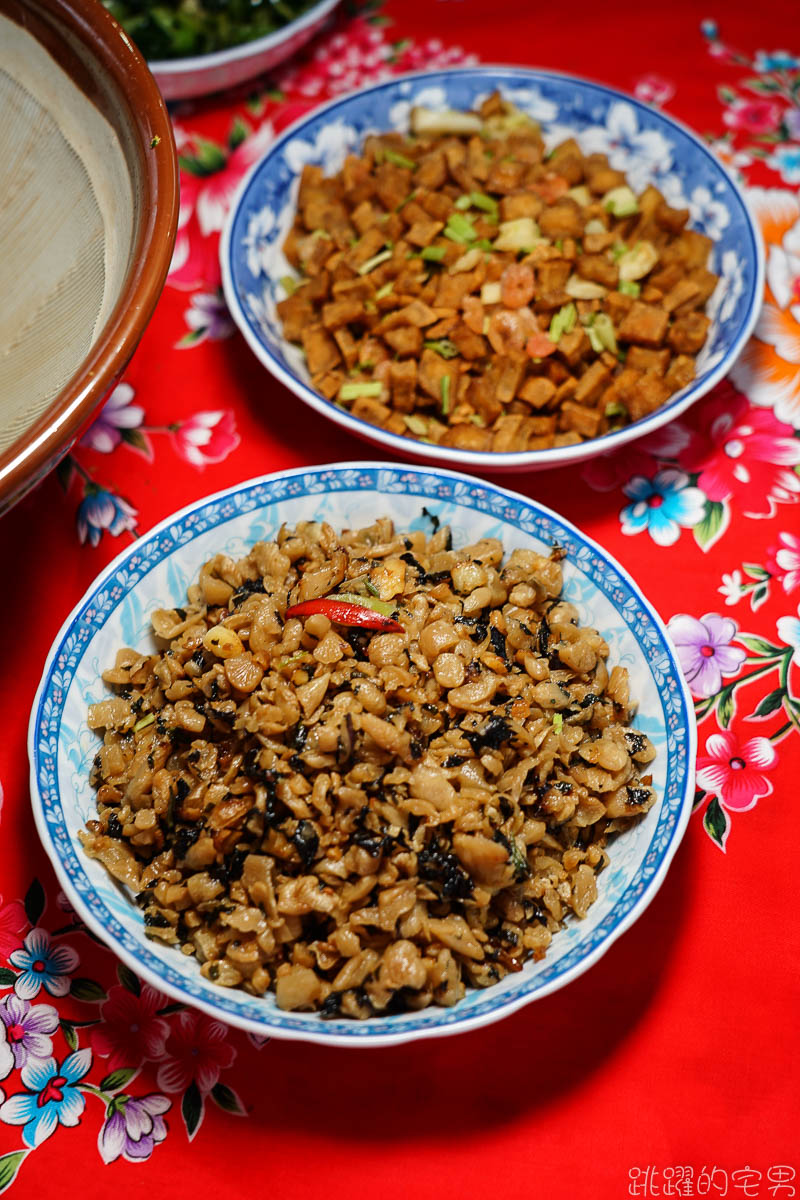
[769, 368]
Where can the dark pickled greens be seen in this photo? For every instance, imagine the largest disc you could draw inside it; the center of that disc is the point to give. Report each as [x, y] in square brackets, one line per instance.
[185, 28]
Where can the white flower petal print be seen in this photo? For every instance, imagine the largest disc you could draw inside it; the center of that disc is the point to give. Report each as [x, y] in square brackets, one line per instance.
[771, 328]
[783, 267]
[710, 213]
[328, 150]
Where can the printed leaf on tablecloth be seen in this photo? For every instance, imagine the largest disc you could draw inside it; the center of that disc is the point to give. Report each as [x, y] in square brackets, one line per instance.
[128, 980]
[713, 525]
[7, 977]
[192, 1109]
[88, 991]
[759, 646]
[770, 704]
[35, 902]
[9, 1165]
[117, 1079]
[717, 823]
[726, 707]
[70, 1036]
[227, 1100]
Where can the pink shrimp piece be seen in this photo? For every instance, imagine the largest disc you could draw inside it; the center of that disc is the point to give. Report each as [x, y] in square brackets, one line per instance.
[473, 313]
[516, 285]
[509, 329]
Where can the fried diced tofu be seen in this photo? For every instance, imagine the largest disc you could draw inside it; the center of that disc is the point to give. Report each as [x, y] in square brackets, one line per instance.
[466, 436]
[295, 312]
[598, 268]
[416, 313]
[504, 177]
[551, 276]
[342, 312]
[403, 383]
[574, 346]
[405, 340]
[537, 391]
[688, 333]
[371, 410]
[642, 359]
[562, 220]
[585, 421]
[522, 204]
[432, 370]
[645, 324]
[423, 232]
[601, 178]
[648, 394]
[680, 372]
[682, 297]
[617, 305]
[592, 383]
[671, 219]
[470, 345]
[322, 353]
[328, 385]
[508, 373]
[392, 184]
[348, 347]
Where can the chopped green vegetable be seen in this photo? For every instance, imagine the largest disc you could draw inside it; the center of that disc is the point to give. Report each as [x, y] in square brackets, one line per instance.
[399, 160]
[417, 425]
[143, 722]
[374, 262]
[463, 203]
[603, 327]
[443, 346]
[558, 722]
[559, 244]
[617, 250]
[381, 606]
[638, 262]
[615, 409]
[563, 321]
[480, 200]
[433, 253]
[629, 287]
[519, 234]
[595, 226]
[482, 244]
[289, 284]
[491, 293]
[620, 202]
[403, 203]
[298, 656]
[370, 586]
[321, 233]
[478, 420]
[459, 228]
[183, 28]
[444, 384]
[386, 290]
[594, 339]
[351, 391]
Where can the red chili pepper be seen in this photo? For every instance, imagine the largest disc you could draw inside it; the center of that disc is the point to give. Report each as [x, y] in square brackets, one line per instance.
[344, 613]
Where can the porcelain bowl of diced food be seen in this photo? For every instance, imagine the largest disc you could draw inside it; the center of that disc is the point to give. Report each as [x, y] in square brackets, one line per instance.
[493, 266]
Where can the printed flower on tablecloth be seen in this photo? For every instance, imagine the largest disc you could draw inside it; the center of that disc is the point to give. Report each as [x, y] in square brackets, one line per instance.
[102, 510]
[27, 1028]
[118, 421]
[753, 116]
[742, 453]
[776, 60]
[133, 1127]
[197, 1051]
[789, 633]
[206, 317]
[655, 90]
[52, 1098]
[42, 965]
[735, 771]
[130, 1032]
[7, 1061]
[712, 214]
[783, 561]
[12, 924]
[705, 651]
[786, 161]
[769, 367]
[662, 505]
[732, 587]
[206, 437]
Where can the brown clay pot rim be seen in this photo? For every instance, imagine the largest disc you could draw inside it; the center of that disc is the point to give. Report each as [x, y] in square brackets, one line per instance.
[156, 199]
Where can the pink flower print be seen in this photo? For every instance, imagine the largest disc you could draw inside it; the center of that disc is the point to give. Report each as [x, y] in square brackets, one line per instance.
[736, 772]
[207, 317]
[131, 1032]
[207, 437]
[742, 452]
[654, 90]
[783, 561]
[133, 1127]
[12, 925]
[752, 116]
[27, 1028]
[705, 651]
[197, 1050]
[104, 434]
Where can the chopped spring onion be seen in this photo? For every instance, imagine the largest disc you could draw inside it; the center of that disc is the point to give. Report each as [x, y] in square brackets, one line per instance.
[629, 287]
[459, 228]
[638, 262]
[594, 339]
[403, 203]
[381, 606]
[558, 722]
[352, 391]
[399, 160]
[463, 203]
[417, 425]
[386, 290]
[563, 321]
[443, 346]
[478, 420]
[595, 226]
[603, 328]
[519, 234]
[617, 250]
[143, 722]
[321, 233]
[482, 244]
[615, 409]
[480, 200]
[491, 293]
[444, 384]
[620, 202]
[559, 244]
[374, 262]
[433, 253]
[580, 195]
[289, 284]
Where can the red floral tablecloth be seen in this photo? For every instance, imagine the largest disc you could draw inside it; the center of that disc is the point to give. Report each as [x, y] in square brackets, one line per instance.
[671, 1069]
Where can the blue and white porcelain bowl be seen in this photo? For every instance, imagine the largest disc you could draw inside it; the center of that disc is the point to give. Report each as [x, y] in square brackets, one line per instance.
[155, 571]
[646, 144]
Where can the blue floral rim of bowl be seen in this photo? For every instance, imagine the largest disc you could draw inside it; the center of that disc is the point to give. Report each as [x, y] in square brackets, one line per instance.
[647, 145]
[155, 571]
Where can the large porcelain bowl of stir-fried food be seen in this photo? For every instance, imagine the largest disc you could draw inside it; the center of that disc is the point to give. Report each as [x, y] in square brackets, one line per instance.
[498, 267]
[358, 754]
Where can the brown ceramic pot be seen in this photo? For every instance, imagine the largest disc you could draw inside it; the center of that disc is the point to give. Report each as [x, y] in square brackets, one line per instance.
[81, 90]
